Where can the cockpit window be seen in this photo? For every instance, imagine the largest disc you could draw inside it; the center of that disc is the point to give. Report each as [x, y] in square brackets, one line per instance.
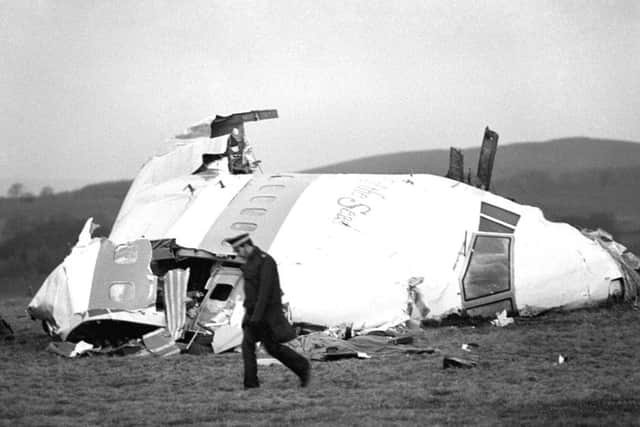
[489, 269]
[493, 227]
[499, 214]
[244, 226]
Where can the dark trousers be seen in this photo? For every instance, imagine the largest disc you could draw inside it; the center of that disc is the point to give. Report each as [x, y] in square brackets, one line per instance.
[288, 357]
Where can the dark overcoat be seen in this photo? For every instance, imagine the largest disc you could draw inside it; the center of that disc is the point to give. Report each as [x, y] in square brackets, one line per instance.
[263, 296]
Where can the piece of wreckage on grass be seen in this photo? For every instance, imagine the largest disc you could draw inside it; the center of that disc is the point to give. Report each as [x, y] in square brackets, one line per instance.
[369, 251]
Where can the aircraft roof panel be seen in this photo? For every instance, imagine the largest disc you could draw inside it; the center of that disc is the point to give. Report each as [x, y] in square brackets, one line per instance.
[259, 209]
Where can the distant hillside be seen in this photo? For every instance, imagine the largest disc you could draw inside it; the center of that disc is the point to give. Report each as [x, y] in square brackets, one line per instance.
[552, 158]
[613, 190]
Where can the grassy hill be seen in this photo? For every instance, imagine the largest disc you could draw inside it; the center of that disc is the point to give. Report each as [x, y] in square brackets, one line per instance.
[553, 158]
[583, 181]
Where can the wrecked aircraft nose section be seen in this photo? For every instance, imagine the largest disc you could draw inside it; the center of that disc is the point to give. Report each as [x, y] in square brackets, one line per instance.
[366, 251]
[472, 253]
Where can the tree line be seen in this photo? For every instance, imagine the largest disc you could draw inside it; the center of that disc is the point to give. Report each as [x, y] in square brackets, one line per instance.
[18, 190]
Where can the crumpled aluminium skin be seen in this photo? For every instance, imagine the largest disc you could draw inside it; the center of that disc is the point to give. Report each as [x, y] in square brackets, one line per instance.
[626, 260]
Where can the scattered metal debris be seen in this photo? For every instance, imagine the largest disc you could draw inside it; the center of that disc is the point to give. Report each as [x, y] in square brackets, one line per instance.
[6, 333]
[457, 362]
[469, 346]
[502, 320]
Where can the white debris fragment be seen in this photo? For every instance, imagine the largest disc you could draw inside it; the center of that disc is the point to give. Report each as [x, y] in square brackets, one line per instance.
[81, 347]
[502, 320]
[470, 346]
[85, 235]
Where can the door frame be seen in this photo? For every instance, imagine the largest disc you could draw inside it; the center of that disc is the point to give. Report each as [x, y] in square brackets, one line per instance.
[496, 298]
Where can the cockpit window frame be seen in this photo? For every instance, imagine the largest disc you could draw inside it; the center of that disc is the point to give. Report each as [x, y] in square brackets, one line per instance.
[492, 298]
[474, 240]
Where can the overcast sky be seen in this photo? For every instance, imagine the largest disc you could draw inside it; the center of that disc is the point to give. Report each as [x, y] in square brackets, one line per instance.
[90, 89]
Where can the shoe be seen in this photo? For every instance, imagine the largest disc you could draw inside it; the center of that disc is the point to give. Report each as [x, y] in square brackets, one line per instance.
[251, 384]
[305, 378]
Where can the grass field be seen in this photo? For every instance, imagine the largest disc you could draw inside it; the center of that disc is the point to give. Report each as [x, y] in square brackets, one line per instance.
[517, 381]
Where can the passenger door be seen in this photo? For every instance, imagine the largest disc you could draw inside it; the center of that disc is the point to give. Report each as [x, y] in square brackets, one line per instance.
[224, 291]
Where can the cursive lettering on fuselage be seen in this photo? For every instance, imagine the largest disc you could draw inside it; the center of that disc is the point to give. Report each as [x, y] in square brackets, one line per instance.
[356, 202]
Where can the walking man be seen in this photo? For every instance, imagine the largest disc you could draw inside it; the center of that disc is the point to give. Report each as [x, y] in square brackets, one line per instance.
[264, 319]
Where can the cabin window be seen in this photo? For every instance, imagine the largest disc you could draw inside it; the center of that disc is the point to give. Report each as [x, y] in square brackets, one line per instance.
[244, 226]
[263, 200]
[272, 187]
[223, 284]
[253, 211]
[227, 276]
[489, 269]
[125, 254]
[121, 291]
[221, 292]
